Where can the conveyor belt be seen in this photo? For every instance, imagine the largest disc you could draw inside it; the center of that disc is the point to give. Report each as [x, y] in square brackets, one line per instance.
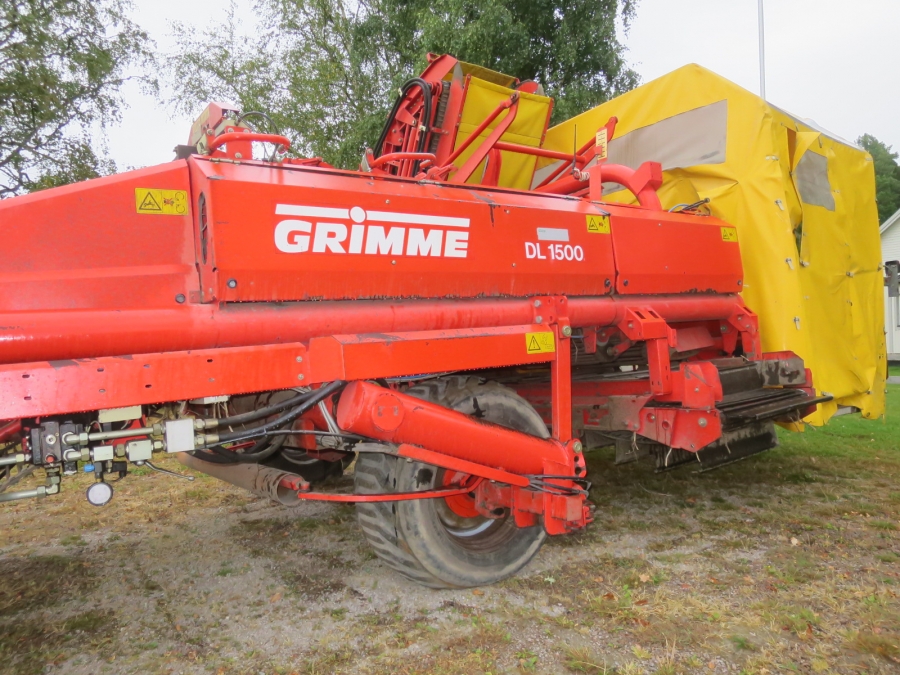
[765, 404]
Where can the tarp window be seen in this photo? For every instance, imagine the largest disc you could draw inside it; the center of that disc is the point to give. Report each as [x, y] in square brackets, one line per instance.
[811, 178]
[690, 138]
[694, 137]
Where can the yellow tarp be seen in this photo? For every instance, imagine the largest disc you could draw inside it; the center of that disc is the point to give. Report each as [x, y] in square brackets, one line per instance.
[802, 200]
[528, 127]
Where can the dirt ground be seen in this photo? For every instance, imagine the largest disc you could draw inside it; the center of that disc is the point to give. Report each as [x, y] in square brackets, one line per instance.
[789, 562]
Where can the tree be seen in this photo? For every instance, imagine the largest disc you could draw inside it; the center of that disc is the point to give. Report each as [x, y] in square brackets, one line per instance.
[324, 70]
[61, 65]
[887, 175]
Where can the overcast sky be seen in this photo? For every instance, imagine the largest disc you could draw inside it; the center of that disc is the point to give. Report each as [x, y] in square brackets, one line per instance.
[833, 61]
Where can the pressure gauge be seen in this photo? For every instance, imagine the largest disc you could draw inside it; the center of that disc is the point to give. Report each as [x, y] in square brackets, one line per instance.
[99, 494]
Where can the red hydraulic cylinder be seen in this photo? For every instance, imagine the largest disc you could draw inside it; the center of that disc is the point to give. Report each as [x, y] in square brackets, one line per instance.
[369, 410]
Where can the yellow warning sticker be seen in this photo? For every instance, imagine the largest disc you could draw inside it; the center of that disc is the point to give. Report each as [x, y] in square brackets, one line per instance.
[161, 202]
[597, 224]
[729, 234]
[539, 343]
[601, 143]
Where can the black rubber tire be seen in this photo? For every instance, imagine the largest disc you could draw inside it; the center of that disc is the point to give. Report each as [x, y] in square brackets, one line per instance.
[411, 536]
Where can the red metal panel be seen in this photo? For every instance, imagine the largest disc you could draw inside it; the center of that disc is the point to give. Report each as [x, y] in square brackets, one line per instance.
[312, 233]
[679, 428]
[368, 356]
[675, 253]
[86, 246]
[37, 389]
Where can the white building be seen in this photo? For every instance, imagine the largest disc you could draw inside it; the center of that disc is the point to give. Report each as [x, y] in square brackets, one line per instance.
[890, 250]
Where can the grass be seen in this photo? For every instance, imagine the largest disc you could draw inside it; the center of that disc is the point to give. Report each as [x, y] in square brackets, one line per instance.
[787, 562]
[26, 646]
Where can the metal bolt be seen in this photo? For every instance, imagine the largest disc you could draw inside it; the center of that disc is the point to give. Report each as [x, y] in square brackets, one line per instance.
[625, 283]
[180, 298]
[232, 283]
[50, 439]
[299, 359]
[740, 283]
[538, 319]
[567, 331]
[702, 421]
[651, 417]
[300, 376]
[576, 446]
[630, 324]
[537, 303]
[238, 155]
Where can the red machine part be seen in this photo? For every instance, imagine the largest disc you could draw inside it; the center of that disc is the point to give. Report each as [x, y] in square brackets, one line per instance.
[47, 336]
[393, 417]
[275, 274]
[371, 411]
[36, 388]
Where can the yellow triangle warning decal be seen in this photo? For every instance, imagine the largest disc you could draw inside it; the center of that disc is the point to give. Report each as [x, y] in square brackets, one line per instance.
[540, 343]
[597, 224]
[158, 202]
[149, 204]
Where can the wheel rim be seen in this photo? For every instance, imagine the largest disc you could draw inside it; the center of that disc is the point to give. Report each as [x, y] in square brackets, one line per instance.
[458, 514]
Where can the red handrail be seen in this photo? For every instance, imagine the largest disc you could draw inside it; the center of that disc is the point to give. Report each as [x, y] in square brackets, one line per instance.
[238, 136]
[394, 156]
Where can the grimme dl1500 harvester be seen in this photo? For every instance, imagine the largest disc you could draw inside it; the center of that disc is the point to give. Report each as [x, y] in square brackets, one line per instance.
[271, 320]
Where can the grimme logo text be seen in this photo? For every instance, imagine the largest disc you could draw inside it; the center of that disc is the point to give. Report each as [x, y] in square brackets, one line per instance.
[316, 229]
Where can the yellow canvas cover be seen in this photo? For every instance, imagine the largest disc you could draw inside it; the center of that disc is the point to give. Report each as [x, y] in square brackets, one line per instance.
[803, 202]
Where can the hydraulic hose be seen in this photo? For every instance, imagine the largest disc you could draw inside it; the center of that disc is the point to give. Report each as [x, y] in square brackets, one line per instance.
[213, 457]
[292, 414]
[254, 457]
[258, 453]
[426, 120]
[261, 413]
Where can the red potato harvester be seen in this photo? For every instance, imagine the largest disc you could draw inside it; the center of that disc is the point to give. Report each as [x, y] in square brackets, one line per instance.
[463, 339]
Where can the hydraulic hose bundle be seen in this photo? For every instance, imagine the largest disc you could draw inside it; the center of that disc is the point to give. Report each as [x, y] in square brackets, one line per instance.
[424, 123]
[263, 448]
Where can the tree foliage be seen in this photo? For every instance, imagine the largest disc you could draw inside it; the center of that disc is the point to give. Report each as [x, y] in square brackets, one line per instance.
[61, 65]
[326, 70]
[887, 175]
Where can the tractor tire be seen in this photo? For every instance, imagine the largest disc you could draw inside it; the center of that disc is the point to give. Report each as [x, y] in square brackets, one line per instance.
[427, 540]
